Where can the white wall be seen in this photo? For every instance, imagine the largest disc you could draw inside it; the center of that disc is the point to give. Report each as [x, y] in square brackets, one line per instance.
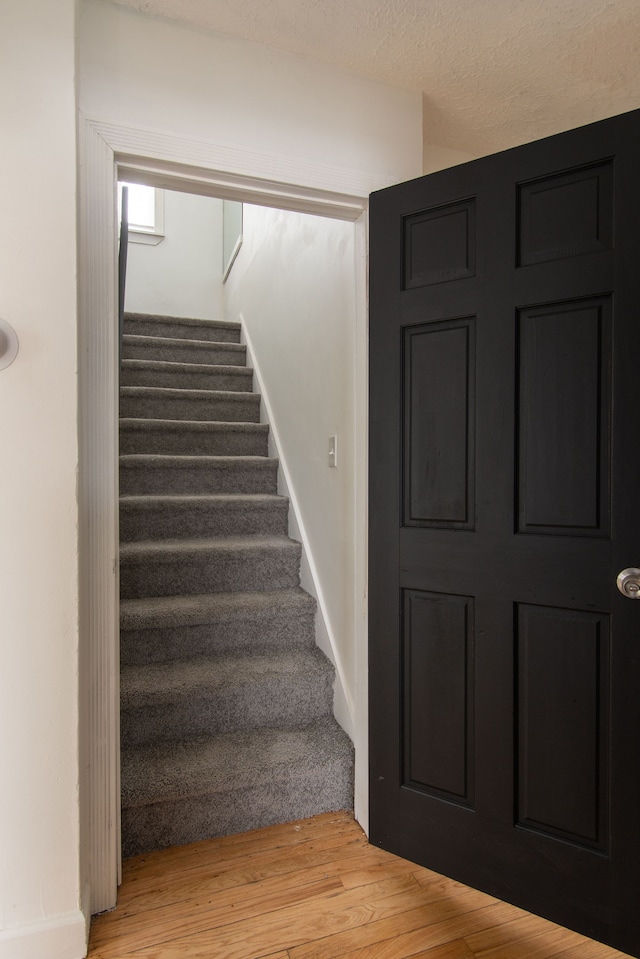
[199, 99]
[181, 275]
[293, 286]
[39, 864]
[162, 75]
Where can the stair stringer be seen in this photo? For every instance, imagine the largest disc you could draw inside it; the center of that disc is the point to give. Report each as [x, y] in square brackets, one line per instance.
[343, 703]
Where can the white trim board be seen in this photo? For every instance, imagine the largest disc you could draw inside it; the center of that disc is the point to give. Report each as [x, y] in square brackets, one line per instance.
[64, 937]
[173, 163]
[287, 182]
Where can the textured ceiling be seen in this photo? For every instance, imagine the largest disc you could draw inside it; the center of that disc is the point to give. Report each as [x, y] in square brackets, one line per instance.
[493, 73]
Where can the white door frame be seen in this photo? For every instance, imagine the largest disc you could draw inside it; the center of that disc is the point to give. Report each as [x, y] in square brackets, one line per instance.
[107, 151]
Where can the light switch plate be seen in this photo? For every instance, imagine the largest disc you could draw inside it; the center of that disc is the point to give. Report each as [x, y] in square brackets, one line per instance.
[333, 451]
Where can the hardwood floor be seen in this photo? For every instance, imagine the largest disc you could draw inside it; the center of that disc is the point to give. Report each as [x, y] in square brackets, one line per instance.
[313, 890]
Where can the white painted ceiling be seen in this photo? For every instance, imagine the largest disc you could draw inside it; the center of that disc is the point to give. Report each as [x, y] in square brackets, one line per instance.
[493, 73]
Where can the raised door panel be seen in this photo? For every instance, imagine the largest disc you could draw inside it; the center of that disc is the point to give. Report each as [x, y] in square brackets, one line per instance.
[563, 723]
[565, 214]
[439, 245]
[564, 413]
[439, 424]
[438, 695]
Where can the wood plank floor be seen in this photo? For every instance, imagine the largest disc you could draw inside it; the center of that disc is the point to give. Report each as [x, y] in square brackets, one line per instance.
[313, 890]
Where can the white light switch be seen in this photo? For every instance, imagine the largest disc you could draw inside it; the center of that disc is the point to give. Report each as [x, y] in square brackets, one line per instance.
[333, 451]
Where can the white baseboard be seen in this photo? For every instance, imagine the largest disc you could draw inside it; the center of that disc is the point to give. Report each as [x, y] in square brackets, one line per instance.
[85, 909]
[64, 937]
[343, 708]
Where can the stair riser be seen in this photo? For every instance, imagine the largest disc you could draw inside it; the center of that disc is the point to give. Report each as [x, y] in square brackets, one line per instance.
[243, 409]
[193, 442]
[183, 352]
[247, 570]
[173, 523]
[159, 825]
[206, 479]
[276, 701]
[212, 332]
[164, 644]
[178, 380]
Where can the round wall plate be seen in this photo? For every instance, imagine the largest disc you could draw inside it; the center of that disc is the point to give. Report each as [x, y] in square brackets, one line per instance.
[8, 344]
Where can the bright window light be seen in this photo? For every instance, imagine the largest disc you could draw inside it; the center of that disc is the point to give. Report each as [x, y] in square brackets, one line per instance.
[142, 206]
[146, 218]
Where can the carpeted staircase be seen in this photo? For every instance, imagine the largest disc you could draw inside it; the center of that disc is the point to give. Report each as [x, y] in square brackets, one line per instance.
[226, 702]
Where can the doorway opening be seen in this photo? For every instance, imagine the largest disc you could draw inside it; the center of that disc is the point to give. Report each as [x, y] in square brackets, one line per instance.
[110, 153]
[187, 611]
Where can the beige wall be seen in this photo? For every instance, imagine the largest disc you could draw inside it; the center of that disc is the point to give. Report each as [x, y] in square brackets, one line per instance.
[39, 865]
[163, 75]
[440, 158]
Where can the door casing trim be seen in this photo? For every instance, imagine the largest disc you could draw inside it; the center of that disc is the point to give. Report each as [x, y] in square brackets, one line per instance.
[107, 151]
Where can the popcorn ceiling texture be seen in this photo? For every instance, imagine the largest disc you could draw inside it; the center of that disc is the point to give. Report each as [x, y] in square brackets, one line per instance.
[494, 73]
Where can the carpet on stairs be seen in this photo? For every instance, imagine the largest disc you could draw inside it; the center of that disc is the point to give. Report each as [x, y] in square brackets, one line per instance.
[226, 701]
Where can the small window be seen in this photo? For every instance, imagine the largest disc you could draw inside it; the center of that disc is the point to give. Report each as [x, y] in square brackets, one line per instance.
[146, 212]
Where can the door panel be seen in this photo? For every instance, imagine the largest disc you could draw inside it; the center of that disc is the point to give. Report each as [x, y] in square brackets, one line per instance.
[563, 699]
[504, 663]
[439, 244]
[438, 695]
[567, 214]
[563, 415]
[439, 413]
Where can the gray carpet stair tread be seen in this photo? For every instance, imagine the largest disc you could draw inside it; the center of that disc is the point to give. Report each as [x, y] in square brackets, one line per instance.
[196, 566]
[170, 551]
[184, 326]
[146, 460]
[230, 762]
[165, 702]
[219, 514]
[130, 315]
[189, 375]
[161, 402]
[182, 501]
[161, 366]
[211, 608]
[140, 339]
[214, 437]
[169, 392]
[169, 628]
[174, 349]
[197, 426]
[156, 684]
[157, 473]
